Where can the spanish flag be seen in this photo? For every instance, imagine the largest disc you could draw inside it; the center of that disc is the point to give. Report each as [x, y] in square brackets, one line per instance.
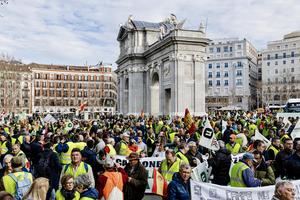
[82, 106]
[160, 185]
[189, 122]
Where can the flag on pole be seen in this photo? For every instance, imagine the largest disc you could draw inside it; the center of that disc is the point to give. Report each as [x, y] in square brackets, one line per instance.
[259, 136]
[224, 126]
[189, 122]
[208, 138]
[160, 185]
[82, 106]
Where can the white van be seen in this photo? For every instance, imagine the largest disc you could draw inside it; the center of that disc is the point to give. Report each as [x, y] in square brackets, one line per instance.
[292, 105]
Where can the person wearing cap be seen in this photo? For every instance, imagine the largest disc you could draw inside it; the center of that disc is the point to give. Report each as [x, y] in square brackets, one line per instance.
[193, 155]
[241, 174]
[5, 145]
[122, 146]
[114, 176]
[135, 188]
[10, 180]
[233, 146]
[263, 171]
[170, 165]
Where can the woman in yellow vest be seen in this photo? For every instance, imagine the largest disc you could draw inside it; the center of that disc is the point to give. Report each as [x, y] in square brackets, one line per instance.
[170, 165]
[67, 191]
[83, 186]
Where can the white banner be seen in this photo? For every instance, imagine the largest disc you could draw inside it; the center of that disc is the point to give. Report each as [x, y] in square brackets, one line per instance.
[259, 136]
[296, 131]
[208, 138]
[224, 126]
[287, 123]
[208, 191]
[49, 119]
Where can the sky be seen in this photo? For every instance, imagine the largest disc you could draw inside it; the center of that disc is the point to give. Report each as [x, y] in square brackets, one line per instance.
[79, 32]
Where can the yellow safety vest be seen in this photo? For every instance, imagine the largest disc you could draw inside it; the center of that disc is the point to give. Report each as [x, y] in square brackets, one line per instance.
[112, 151]
[59, 196]
[124, 150]
[236, 175]
[276, 151]
[65, 157]
[80, 145]
[3, 148]
[10, 184]
[168, 173]
[172, 135]
[182, 157]
[83, 168]
[235, 149]
[285, 136]
[14, 140]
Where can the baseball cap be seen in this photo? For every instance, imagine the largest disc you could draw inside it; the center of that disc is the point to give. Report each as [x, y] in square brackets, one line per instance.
[248, 156]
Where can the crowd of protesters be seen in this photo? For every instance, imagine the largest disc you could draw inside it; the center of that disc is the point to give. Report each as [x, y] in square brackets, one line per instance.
[50, 161]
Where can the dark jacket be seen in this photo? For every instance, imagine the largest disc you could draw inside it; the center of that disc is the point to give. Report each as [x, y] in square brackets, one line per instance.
[192, 158]
[220, 164]
[281, 157]
[135, 188]
[265, 173]
[177, 189]
[90, 193]
[292, 166]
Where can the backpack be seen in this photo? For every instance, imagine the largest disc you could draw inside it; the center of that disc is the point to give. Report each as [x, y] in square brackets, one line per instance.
[43, 166]
[21, 186]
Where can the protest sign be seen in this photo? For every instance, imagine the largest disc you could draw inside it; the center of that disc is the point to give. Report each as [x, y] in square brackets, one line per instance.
[49, 119]
[259, 136]
[296, 131]
[208, 138]
[211, 191]
[224, 126]
[287, 124]
[201, 172]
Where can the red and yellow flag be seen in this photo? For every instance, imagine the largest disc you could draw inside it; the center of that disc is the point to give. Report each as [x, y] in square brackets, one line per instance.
[82, 106]
[189, 122]
[160, 185]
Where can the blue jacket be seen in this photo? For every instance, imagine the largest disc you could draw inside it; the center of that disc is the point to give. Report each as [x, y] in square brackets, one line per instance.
[91, 193]
[249, 179]
[177, 189]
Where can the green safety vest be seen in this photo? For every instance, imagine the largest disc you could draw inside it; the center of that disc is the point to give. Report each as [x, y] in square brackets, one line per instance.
[14, 140]
[235, 149]
[3, 148]
[236, 175]
[182, 157]
[83, 168]
[65, 157]
[276, 151]
[166, 172]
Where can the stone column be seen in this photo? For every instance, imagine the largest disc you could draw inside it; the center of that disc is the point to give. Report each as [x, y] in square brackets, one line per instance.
[199, 64]
[121, 92]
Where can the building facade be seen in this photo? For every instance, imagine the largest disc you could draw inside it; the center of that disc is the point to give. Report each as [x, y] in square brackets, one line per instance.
[281, 70]
[161, 68]
[15, 87]
[62, 89]
[231, 74]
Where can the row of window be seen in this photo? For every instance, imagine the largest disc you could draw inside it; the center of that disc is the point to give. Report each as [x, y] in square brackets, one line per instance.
[225, 49]
[71, 77]
[218, 65]
[72, 85]
[72, 93]
[284, 70]
[283, 62]
[218, 74]
[218, 82]
[16, 103]
[284, 55]
[59, 102]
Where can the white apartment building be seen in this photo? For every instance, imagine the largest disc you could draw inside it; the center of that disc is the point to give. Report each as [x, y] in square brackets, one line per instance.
[281, 70]
[231, 74]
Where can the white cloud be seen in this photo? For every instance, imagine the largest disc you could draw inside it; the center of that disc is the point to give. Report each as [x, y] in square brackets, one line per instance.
[73, 32]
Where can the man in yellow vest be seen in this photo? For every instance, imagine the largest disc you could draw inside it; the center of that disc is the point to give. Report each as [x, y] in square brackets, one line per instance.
[241, 174]
[170, 165]
[77, 167]
[18, 182]
[274, 148]
[181, 153]
[5, 145]
[233, 146]
[122, 146]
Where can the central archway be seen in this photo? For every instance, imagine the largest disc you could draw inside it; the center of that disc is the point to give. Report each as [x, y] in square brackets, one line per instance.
[155, 94]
